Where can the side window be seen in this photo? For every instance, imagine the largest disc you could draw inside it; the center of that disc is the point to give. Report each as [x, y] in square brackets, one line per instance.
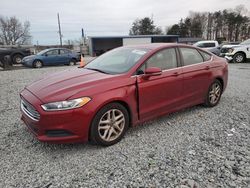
[191, 56]
[165, 59]
[52, 52]
[209, 44]
[201, 45]
[141, 70]
[205, 55]
[64, 52]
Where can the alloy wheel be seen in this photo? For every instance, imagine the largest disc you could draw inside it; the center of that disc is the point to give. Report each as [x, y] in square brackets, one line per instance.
[239, 58]
[38, 64]
[214, 93]
[111, 125]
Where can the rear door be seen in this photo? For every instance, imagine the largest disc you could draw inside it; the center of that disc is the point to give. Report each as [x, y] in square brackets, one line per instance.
[196, 75]
[64, 56]
[160, 94]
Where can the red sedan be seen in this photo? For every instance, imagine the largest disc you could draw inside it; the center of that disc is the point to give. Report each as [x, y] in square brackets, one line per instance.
[123, 87]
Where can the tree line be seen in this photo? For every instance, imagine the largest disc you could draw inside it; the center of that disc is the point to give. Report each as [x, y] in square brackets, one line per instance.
[227, 24]
[14, 32]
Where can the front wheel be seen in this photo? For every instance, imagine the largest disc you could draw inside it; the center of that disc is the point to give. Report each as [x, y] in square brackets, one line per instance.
[109, 124]
[213, 94]
[37, 64]
[239, 58]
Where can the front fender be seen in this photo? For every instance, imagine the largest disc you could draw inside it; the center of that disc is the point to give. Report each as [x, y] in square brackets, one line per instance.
[125, 95]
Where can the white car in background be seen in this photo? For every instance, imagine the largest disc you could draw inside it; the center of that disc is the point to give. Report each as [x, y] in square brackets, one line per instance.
[238, 53]
[210, 45]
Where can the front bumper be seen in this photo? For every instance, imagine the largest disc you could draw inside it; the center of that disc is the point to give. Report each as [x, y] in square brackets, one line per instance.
[227, 56]
[56, 127]
[27, 63]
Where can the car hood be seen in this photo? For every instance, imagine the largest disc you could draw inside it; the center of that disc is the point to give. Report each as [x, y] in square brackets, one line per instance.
[29, 57]
[64, 85]
[232, 46]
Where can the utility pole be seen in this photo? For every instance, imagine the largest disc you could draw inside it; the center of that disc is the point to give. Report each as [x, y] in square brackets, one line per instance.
[60, 32]
[82, 42]
[83, 36]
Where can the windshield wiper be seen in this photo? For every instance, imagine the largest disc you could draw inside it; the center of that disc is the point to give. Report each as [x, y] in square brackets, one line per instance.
[98, 70]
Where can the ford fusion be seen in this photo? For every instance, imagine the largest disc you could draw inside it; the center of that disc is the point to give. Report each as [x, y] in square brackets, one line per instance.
[120, 89]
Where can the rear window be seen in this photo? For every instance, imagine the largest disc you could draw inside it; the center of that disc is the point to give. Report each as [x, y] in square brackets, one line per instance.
[205, 45]
[191, 56]
[205, 55]
[64, 51]
[209, 44]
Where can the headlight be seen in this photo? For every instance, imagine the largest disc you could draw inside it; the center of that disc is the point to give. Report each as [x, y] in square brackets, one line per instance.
[230, 50]
[66, 105]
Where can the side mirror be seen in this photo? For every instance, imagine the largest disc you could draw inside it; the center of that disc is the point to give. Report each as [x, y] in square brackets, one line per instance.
[152, 71]
[45, 54]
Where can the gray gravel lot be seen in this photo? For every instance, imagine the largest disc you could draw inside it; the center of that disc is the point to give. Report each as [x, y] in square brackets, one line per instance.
[196, 147]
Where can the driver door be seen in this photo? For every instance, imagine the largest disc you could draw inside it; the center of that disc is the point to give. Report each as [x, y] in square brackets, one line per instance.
[160, 94]
[51, 57]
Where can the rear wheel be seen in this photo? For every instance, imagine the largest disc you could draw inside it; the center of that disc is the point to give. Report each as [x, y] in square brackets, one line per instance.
[17, 59]
[109, 124]
[72, 62]
[37, 64]
[213, 94]
[239, 58]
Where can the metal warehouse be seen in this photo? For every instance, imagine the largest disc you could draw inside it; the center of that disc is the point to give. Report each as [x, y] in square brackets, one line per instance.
[101, 44]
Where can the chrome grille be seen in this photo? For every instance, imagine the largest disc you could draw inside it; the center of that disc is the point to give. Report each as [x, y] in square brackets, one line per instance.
[29, 110]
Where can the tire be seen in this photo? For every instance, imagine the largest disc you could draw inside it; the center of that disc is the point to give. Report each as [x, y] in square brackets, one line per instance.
[105, 129]
[37, 64]
[17, 59]
[72, 62]
[239, 58]
[214, 94]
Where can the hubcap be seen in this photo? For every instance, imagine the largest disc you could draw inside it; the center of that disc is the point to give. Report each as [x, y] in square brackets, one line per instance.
[111, 125]
[214, 93]
[239, 58]
[38, 64]
[18, 60]
[71, 63]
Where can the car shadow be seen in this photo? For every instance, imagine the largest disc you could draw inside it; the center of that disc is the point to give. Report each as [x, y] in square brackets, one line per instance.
[76, 147]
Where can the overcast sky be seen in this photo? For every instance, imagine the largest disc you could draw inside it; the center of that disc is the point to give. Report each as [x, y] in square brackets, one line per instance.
[102, 17]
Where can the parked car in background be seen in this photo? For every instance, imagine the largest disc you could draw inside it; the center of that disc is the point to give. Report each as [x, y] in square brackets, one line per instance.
[238, 53]
[210, 45]
[16, 54]
[119, 89]
[79, 54]
[52, 56]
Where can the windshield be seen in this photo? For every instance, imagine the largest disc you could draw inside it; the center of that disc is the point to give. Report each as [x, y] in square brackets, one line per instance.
[198, 44]
[42, 52]
[117, 61]
[245, 42]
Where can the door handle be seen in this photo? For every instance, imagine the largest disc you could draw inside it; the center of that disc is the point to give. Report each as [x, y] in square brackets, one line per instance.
[175, 74]
[207, 68]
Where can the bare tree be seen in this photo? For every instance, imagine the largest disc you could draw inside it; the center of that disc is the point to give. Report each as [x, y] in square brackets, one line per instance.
[13, 32]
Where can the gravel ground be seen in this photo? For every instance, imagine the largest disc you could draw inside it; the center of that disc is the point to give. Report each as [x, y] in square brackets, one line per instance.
[196, 147]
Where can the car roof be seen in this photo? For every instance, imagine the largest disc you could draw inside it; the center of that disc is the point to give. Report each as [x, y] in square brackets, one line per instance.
[207, 41]
[57, 49]
[153, 46]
